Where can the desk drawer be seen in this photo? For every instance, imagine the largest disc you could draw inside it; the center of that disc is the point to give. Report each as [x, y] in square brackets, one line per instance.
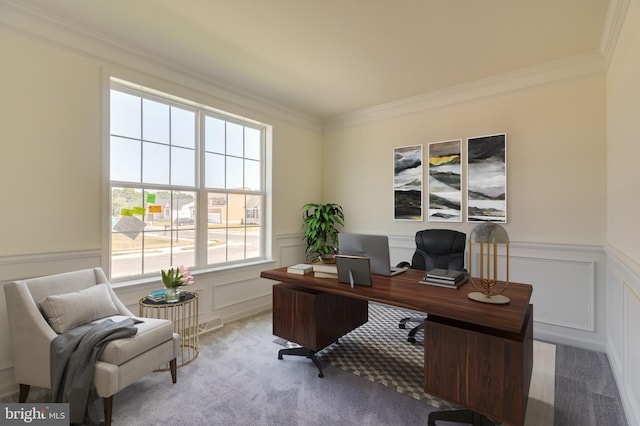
[487, 372]
[314, 319]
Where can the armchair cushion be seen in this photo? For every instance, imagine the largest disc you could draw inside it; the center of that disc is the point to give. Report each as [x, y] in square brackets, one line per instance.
[66, 311]
[151, 332]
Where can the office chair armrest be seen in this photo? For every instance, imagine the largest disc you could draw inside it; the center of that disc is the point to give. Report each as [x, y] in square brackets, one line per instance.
[403, 265]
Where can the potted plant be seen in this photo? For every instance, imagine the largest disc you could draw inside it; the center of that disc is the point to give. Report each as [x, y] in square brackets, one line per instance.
[320, 223]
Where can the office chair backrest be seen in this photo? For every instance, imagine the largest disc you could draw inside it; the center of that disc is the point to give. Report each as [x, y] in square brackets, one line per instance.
[439, 248]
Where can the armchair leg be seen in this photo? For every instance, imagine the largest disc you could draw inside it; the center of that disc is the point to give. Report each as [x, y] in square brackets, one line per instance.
[24, 393]
[108, 408]
[173, 366]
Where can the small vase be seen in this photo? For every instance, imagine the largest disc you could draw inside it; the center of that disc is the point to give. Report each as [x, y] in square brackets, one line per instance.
[172, 294]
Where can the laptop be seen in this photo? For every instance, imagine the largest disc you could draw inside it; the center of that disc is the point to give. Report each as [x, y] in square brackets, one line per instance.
[375, 247]
[354, 270]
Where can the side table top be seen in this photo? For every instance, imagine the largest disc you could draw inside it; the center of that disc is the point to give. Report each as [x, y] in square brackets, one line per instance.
[185, 296]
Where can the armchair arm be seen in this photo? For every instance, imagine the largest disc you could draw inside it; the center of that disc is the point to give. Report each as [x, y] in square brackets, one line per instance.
[31, 336]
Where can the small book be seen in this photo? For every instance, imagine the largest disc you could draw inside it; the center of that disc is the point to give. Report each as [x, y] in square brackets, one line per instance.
[157, 296]
[300, 269]
[325, 275]
[443, 283]
[329, 268]
[446, 274]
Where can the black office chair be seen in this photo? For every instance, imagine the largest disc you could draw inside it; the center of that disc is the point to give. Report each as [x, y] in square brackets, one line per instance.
[435, 248]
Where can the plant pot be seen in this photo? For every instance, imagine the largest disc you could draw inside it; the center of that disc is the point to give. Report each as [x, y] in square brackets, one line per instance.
[328, 258]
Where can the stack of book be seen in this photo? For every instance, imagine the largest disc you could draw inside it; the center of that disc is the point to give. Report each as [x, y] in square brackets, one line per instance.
[325, 270]
[300, 269]
[445, 278]
[157, 296]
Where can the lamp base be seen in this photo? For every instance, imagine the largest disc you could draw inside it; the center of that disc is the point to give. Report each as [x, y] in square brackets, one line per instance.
[496, 299]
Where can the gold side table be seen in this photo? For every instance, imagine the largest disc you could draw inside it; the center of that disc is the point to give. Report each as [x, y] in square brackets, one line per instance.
[184, 315]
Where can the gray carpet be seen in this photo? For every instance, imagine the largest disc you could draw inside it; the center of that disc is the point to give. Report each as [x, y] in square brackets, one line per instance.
[238, 380]
[380, 352]
[586, 392]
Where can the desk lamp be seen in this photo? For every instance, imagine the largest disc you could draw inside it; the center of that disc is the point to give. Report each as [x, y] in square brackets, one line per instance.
[489, 236]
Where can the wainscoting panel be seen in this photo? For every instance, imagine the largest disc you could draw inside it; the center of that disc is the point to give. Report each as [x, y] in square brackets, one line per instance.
[568, 287]
[631, 373]
[563, 290]
[623, 328]
[615, 318]
[292, 253]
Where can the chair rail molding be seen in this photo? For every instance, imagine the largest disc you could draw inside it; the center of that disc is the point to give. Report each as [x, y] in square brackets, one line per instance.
[16, 267]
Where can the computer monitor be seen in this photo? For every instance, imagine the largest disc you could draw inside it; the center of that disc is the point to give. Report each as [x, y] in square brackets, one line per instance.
[375, 247]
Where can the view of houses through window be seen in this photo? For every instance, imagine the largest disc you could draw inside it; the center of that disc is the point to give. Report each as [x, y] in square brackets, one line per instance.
[187, 185]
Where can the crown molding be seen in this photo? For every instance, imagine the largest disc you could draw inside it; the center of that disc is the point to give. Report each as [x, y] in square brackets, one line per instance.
[612, 26]
[564, 69]
[573, 67]
[33, 22]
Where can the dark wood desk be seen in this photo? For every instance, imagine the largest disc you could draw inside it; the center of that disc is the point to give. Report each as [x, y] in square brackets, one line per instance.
[476, 355]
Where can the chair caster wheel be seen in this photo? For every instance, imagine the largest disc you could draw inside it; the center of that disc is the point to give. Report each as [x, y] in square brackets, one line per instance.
[280, 356]
[402, 326]
[411, 339]
[320, 375]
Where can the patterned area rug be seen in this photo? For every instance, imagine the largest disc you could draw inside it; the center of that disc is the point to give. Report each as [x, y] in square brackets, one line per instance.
[379, 351]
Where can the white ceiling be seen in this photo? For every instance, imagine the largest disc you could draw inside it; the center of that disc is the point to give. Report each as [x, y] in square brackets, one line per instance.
[331, 57]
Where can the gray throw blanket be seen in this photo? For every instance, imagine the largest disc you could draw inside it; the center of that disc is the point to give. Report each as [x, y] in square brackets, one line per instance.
[73, 358]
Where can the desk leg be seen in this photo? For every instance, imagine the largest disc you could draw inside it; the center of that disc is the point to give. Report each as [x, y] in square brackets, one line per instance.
[302, 352]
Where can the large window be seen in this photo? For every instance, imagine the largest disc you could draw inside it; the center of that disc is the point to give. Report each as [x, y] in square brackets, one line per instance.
[187, 184]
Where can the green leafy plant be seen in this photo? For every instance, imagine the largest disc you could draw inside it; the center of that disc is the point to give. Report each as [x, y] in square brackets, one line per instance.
[320, 223]
[177, 277]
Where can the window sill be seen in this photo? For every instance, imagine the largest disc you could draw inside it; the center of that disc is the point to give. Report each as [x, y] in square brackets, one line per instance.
[142, 281]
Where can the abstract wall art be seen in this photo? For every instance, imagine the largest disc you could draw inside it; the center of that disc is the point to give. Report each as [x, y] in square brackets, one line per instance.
[445, 178]
[487, 179]
[407, 183]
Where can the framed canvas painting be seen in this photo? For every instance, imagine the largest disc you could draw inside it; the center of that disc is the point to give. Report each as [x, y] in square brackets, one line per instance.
[487, 179]
[445, 179]
[407, 183]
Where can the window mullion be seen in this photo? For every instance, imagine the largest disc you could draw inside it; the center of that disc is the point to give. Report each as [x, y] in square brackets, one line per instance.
[202, 237]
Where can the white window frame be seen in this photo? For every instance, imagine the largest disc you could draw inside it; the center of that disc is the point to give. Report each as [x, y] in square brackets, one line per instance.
[200, 255]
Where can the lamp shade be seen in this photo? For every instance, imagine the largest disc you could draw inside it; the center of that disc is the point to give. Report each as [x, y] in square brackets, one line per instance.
[489, 233]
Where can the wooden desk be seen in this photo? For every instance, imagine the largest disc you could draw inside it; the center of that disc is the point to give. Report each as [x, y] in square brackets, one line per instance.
[476, 355]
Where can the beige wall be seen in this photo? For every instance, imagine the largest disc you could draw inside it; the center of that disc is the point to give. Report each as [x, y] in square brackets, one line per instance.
[556, 161]
[623, 205]
[623, 140]
[51, 132]
[51, 146]
[51, 114]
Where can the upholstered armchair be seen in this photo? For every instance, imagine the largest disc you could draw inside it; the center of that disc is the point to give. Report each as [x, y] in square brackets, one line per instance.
[40, 309]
